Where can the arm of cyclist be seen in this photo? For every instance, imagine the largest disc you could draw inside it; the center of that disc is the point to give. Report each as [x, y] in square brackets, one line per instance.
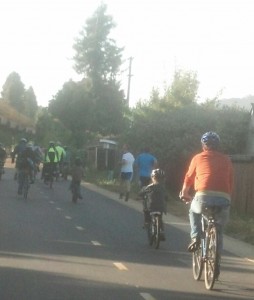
[142, 193]
[184, 194]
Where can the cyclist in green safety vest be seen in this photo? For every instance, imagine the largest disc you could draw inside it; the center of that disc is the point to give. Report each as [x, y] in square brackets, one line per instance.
[51, 160]
[61, 155]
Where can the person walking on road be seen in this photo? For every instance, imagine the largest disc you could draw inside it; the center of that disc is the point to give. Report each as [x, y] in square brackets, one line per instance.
[126, 172]
[145, 163]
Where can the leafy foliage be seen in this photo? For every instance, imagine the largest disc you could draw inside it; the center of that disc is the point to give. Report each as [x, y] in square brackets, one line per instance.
[13, 92]
[183, 90]
[97, 56]
[22, 100]
[50, 129]
[172, 129]
[95, 105]
[30, 103]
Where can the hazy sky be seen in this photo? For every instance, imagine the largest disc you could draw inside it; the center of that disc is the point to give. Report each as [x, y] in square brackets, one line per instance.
[215, 38]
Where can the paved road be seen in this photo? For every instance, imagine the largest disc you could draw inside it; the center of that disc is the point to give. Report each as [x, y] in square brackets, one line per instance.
[53, 249]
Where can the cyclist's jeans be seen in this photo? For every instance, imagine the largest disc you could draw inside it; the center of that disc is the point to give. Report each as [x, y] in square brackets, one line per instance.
[195, 214]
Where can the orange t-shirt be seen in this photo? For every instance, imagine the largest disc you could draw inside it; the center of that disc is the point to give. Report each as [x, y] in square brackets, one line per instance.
[210, 171]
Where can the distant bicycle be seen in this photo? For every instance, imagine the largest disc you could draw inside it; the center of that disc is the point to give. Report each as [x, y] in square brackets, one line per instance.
[154, 228]
[1, 168]
[206, 255]
[24, 184]
[75, 190]
[49, 175]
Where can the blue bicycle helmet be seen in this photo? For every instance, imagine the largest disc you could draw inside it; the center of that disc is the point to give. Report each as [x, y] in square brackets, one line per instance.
[211, 139]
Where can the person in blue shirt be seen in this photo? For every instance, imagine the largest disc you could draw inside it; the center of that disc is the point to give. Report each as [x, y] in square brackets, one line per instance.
[145, 162]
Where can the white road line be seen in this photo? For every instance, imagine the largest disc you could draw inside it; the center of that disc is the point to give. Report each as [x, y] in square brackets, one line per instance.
[177, 223]
[184, 262]
[68, 217]
[58, 208]
[80, 228]
[147, 296]
[51, 202]
[95, 243]
[251, 260]
[120, 266]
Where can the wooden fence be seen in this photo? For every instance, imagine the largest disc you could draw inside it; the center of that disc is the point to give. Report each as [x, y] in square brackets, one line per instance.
[243, 195]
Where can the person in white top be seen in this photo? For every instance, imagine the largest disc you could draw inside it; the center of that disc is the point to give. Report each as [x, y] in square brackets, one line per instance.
[126, 172]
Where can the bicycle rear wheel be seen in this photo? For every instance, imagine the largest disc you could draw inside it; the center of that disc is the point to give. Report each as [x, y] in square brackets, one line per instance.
[150, 233]
[157, 232]
[51, 179]
[197, 263]
[211, 258]
[74, 196]
[25, 187]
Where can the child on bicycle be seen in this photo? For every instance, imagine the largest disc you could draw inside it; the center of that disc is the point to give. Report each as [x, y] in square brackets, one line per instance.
[77, 173]
[154, 197]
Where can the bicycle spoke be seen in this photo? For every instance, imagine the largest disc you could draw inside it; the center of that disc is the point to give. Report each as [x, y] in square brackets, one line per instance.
[197, 263]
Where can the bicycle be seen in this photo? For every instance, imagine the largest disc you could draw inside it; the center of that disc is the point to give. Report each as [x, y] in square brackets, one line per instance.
[1, 168]
[49, 175]
[205, 255]
[75, 189]
[24, 183]
[154, 229]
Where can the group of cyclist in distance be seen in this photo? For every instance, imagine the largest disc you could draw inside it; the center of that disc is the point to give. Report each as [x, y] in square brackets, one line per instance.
[56, 161]
[207, 182]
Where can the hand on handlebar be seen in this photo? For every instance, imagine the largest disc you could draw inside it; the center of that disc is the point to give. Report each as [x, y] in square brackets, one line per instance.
[185, 198]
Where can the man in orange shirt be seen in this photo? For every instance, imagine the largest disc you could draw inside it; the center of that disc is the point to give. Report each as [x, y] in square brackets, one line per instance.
[211, 174]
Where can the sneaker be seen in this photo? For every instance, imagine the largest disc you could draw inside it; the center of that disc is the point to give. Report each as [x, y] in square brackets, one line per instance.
[193, 246]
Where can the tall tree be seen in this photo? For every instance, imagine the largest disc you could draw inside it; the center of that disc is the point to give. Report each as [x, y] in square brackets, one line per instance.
[97, 56]
[96, 103]
[13, 92]
[184, 88]
[30, 103]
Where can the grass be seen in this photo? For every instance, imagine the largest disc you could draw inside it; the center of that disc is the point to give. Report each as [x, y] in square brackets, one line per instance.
[240, 226]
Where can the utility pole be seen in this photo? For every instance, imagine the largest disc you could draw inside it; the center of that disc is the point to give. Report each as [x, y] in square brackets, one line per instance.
[129, 81]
